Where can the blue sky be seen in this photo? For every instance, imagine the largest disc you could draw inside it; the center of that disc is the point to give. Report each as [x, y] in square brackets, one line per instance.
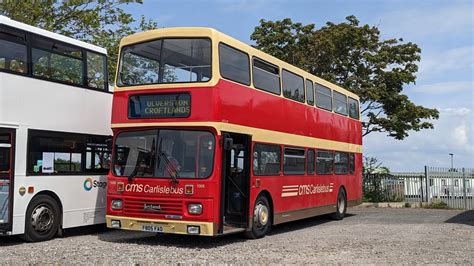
[443, 30]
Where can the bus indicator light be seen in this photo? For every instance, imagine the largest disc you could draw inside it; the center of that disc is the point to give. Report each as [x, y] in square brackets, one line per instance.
[120, 186]
[31, 190]
[189, 189]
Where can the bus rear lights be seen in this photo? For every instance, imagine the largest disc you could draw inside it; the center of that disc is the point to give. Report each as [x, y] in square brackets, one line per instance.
[195, 208]
[194, 229]
[117, 204]
[189, 189]
[115, 224]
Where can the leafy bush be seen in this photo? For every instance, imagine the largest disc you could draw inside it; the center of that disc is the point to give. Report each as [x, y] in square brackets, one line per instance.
[438, 205]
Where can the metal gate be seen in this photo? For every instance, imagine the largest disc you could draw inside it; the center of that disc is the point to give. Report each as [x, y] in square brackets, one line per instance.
[453, 186]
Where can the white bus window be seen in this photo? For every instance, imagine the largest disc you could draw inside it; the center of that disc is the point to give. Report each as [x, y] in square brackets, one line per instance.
[96, 71]
[13, 52]
[67, 162]
[56, 61]
[59, 153]
[97, 155]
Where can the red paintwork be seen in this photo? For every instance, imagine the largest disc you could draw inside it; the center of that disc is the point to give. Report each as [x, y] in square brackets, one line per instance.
[237, 104]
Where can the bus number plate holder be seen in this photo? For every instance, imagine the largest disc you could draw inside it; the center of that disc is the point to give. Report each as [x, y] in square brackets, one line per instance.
[152, 228]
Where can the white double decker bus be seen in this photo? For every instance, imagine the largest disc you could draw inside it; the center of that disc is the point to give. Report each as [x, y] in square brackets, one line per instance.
[55, 111]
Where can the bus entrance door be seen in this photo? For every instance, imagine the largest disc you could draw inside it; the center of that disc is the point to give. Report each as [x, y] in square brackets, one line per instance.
[236, 181]
[6, 176]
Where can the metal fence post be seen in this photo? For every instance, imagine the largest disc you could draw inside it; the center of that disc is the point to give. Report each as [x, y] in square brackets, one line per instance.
[428, 198]
[421, 188]
[464, 192]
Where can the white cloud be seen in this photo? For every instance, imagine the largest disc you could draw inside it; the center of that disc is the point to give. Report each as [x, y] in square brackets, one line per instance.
[460, 135]
[445, 87]
[452, 133]
[455, 111]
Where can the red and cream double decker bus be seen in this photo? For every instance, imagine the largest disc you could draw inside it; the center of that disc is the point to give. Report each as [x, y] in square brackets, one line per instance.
[212, 136]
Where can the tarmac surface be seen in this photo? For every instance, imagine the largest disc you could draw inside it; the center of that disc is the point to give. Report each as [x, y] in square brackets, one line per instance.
[365, 236]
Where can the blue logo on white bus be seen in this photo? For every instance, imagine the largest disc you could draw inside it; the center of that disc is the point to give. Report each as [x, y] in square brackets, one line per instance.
[89, 183]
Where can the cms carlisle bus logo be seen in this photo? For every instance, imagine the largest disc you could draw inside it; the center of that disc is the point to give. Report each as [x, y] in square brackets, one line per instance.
[299, 190]
[90, 183]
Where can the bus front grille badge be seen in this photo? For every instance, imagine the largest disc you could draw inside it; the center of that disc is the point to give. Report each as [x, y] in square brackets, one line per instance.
[152, 207]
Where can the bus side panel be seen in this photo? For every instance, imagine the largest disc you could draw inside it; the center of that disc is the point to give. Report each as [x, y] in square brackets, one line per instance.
[276, 113]
[66, 109]
[82, 200]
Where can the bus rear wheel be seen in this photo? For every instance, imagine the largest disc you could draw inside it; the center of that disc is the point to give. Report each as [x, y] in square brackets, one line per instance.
[261, 218]
[42, 219]
[341, 206]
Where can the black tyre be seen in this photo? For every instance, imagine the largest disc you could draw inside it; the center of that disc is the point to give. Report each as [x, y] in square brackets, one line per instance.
[341, 205]
[42, 219]
[261, 218]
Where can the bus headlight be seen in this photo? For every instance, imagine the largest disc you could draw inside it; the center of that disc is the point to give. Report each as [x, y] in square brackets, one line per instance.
[195, 208]
[117, 204]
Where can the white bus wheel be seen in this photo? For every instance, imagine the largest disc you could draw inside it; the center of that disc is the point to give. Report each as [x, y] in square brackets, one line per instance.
[42, 219]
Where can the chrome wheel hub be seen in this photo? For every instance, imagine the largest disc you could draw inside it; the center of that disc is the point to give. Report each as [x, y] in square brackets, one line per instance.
[260, 215]
[341, 204]
[42, 218]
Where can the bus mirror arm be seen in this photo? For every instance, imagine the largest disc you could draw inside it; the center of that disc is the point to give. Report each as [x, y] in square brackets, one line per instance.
[228, 143]
[132, 175]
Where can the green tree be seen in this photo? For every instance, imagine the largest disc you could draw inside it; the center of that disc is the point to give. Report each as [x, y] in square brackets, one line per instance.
[102, 23]
[355, 57]
[373, 166]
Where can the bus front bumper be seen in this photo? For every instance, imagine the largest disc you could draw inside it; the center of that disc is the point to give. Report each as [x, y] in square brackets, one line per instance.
[161, 226]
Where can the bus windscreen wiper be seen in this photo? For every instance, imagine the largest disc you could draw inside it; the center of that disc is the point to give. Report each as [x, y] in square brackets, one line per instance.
[132, 174]
[172, 171]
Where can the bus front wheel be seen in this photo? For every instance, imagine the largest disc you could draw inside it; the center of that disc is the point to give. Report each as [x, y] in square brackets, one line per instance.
[341, 205]
[261, 218]
[42, 219]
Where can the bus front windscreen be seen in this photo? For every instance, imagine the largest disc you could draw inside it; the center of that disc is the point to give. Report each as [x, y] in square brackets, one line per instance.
[165, 61]
[164, 153]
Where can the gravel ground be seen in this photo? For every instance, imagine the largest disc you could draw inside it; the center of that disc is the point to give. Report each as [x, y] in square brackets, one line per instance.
[367, 235]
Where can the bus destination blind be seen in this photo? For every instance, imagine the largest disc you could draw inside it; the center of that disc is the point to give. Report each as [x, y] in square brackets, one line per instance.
[159, 105]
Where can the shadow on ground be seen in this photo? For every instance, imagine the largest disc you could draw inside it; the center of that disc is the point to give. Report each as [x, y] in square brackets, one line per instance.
[78, 231]
[197, 242]
[169, 240]
[466, 217]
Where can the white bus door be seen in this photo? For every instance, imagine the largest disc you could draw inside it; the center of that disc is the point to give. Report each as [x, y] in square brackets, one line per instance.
[6, 177]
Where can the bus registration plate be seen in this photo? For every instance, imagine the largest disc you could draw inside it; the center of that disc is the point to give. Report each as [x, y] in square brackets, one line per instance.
[152, 228]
